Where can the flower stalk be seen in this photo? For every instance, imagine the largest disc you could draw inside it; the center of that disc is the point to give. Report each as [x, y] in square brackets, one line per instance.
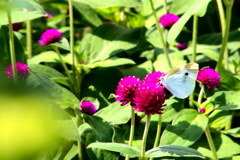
[12, 47]
[131, 136]
[210, 142]
[228, 4]
[144, 139]
[165, 50]
[29, 38]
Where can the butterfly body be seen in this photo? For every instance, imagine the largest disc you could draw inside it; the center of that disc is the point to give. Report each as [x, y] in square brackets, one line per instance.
[181, 80]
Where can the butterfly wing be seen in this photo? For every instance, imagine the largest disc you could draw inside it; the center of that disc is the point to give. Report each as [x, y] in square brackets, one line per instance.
[181, 80]
[180, 86]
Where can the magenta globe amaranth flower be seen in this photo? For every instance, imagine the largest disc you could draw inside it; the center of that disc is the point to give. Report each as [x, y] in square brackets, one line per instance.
[154, 77]
[181, 46]
[50, 36]
[48, 15]
[168, 20]
[22, 70]
[202, 110]
[125, 89]
[209, 77]
[149, 98]
[88, 107]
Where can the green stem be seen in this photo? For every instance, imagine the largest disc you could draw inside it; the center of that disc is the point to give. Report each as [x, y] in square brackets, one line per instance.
[165, 6]
[221, 15]
[161, 35]
[29, 38]
[157, 138]
[159, 126]
[200, 96]
[64, 65]
[144, 139]
[131, 132]
[226, 33]
[194, 37]
[12, 47]
[74, 71]
[211, 144]
[80, 142]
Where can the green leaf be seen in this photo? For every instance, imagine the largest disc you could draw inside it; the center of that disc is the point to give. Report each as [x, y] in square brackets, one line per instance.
[110, 3]
[62, 44]
[117, 147]
[180, 6]
[228, 81]
[100, 45]
[198, 8]
[226, 100]
[115, 114]
[20, 16]
[173, 151]
[186, 128]
[57, 93]
[219, 119]
[224, 145]
[100, 83]
[88, 13]
[161, 63]
[111, 62]
[235, 132]
[45, 70]
[101, 128]
[65, 125]
[140, 70]
[49, 56]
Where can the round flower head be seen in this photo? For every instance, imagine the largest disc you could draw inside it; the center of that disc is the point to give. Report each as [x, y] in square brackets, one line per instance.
[17, 26]
[125, 89]
[88, 107]
[149, 98]
[154, 77]
[48, 15]
[202, 110]
[181, 46]
[22, 70]
[50, 36]
[209, 77]
[168, 20]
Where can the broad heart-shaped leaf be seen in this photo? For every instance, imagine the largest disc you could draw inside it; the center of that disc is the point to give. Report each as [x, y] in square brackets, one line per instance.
[101, 128]
[161, 63]
[88, 13]
[103, 132]
[228, 81]
[64, 44]
[199, 8]
[185, 129]
[117, 147]
[235, 132]
[172, 107]
[108, 40]
[20, 16]
[45, 70]
[225, 146]
[56, 93]
[65, 125]
[115, 114]
[110, 3]
[49, 56]
[111, 62]
[173, 151]
[218, 119]
[227, 100]
[100, 83]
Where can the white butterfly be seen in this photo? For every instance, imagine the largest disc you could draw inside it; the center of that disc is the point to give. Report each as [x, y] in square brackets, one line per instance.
[181, 80]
